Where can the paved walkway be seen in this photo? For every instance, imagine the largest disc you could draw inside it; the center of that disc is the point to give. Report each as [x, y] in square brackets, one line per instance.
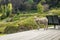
[50, 34]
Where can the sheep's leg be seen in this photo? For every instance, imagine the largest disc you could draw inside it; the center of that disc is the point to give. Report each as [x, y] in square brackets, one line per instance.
[38, 26]
[46, 26]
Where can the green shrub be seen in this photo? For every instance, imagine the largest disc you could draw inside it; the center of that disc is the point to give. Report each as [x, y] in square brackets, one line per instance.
[40, 8]
[29, 23]
[55, 11]
[23, 24]
[10, 29]
[2, 27]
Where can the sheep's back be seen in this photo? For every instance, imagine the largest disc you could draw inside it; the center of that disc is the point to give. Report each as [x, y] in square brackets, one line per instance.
[41, 20]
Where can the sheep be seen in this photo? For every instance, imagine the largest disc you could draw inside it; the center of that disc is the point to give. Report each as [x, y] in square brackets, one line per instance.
[39, 21]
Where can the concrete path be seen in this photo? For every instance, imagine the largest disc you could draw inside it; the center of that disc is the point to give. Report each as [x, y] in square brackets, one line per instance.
[50, 34]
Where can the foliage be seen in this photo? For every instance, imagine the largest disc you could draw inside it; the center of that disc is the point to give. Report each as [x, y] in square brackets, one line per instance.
[3, 9]
[40, 8]
[6, 10]
[2, 27]
[9, 9]
[30, 1]
[24, 18]
[10, 29]
[29, 23]
[20, 4]
[55, 11]
[27, 6]
[43, 1]
[21, 24]
[10, 6]
[2, 34]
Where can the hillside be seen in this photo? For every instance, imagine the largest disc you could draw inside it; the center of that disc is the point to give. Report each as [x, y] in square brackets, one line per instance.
[18, 15]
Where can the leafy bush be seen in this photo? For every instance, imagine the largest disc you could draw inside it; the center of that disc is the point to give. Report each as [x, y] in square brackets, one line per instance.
[30, 1]
[40, 8]
[6, 10]
[22, 24]
[10, 29]
[55, 11]
[29, 23]
[25, 16]
[2, 27]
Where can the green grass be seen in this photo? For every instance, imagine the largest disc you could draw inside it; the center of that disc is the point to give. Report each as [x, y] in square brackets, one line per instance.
[2, 34]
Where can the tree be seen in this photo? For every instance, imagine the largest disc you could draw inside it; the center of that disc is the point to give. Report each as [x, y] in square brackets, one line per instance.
[30, 1]
[40, 8]
[27, 6]
[9, 9]
[43, 1]
[3, 11]
[6, 10]
[53, 3]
